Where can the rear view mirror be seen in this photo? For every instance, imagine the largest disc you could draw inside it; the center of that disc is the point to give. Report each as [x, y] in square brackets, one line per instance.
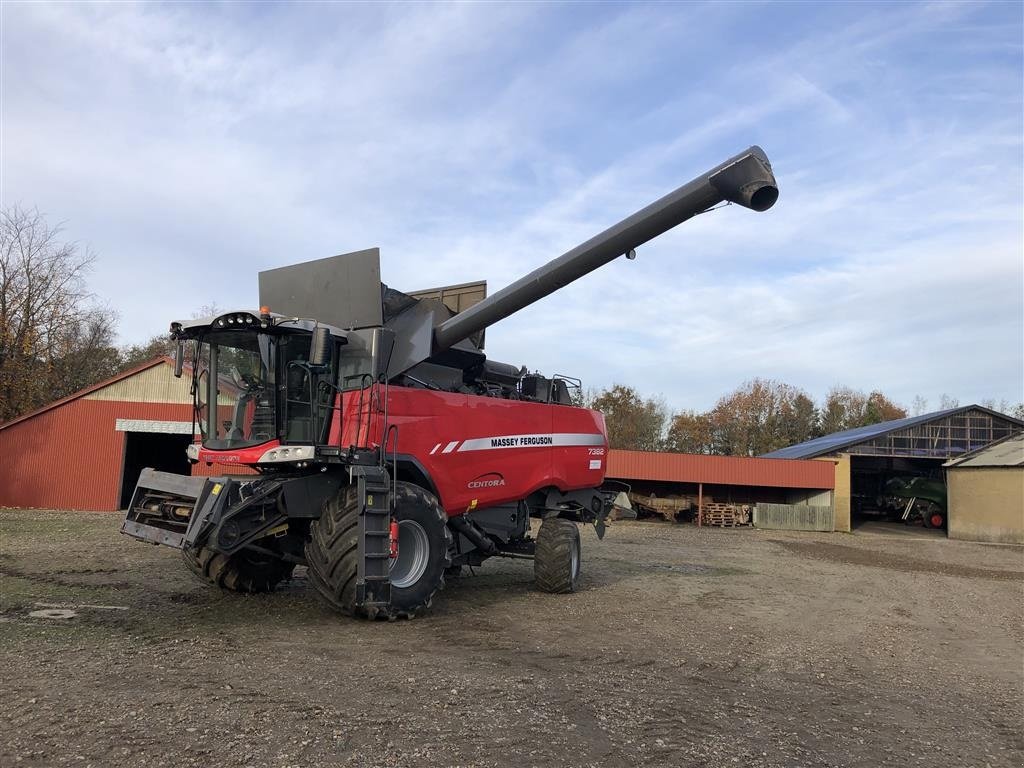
[320, 346]
[179, 359]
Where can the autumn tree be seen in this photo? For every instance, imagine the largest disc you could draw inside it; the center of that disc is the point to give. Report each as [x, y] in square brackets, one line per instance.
[634, 422]
[761, 416]
[879, 408]
[53, 338]
[689, 432]
[847, 408]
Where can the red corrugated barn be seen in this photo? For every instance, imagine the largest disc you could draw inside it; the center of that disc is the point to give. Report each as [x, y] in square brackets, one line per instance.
[86, 451]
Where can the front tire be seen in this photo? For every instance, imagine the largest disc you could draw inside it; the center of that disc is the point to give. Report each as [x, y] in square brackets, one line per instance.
[424, 539]
[245, 571]
[557, 556]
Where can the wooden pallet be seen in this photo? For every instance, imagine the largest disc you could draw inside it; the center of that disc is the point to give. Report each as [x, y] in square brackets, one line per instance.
[725, 515]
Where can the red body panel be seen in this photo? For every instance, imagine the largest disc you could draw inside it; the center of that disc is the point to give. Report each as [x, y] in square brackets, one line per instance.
[478, 451]
[484, 451]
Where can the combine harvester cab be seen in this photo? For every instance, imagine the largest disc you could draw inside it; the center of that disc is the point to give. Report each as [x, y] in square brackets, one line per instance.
[383, 449]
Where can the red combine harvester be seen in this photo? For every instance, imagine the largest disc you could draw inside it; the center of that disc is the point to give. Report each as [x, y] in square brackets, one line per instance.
[389, 450]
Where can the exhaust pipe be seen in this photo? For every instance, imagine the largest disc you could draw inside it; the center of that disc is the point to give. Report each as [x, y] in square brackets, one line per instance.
[745, 179]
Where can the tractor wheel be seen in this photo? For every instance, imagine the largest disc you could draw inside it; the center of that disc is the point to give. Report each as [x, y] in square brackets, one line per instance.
[932, 516]
[417, 573]
[244, 571]
[556, 558]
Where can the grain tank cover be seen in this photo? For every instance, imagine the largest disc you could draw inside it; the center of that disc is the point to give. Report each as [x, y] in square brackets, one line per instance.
[343, 291]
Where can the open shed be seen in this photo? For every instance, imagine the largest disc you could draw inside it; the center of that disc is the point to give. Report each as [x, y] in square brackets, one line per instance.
[867, 459]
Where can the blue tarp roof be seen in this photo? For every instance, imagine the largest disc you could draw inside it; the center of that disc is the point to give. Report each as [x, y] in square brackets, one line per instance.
[819, 446]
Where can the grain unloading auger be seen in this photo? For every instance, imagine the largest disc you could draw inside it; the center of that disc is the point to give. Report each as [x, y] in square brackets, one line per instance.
[384, 449]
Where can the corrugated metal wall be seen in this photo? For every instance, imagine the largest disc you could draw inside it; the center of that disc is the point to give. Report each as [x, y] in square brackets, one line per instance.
[70, 457]
[153, 385]
[721, 470]
[794, 517]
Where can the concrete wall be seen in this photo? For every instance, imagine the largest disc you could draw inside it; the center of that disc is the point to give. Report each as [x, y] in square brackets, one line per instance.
[986, 504]
[841, 493]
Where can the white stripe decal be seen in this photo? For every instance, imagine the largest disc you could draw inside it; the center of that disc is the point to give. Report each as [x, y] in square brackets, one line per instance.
[435, 449]
[557, 440]
[450, 447]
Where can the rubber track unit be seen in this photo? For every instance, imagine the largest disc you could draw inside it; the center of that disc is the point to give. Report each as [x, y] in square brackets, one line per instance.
[552, 557]
[240, 572]
[332, 554]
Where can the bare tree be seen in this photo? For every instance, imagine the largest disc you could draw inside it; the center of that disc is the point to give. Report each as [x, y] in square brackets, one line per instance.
[53, 338]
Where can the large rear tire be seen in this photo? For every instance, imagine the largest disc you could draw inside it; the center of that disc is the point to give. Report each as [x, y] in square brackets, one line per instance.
[245, 571]
[424, 539]
[556, 557]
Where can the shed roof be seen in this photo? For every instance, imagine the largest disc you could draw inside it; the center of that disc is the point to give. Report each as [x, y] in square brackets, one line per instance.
[1008, 452]
[837, 441]
[720, 470]
[88, 390]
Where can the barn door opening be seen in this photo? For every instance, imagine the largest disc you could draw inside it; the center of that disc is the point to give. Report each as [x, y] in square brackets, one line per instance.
[151, 449]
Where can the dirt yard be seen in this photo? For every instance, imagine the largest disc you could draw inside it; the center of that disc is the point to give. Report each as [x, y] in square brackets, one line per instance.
[686, 646]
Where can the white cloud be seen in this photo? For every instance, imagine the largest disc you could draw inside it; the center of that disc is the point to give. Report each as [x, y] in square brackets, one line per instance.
[192, 146]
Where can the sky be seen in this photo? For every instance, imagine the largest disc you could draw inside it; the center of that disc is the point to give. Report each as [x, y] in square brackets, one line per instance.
[190, 146]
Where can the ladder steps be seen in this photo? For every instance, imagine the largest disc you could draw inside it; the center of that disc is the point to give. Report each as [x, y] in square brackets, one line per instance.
[373, 582]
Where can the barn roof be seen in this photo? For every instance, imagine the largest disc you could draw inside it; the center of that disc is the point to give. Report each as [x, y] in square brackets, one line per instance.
[1008, 452]
[838, 441]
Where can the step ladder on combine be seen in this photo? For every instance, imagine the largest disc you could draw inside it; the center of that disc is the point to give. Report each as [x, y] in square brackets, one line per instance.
[373, 581]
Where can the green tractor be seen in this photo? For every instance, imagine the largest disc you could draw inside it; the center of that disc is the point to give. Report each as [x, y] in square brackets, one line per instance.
[922, 498]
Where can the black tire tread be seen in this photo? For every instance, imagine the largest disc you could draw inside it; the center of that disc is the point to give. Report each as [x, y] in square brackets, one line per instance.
[333, 549]
[552, 558]
[332, 552]
[235, 572]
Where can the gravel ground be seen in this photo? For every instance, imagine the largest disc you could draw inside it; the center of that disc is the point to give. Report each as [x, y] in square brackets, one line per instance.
[685, 646]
